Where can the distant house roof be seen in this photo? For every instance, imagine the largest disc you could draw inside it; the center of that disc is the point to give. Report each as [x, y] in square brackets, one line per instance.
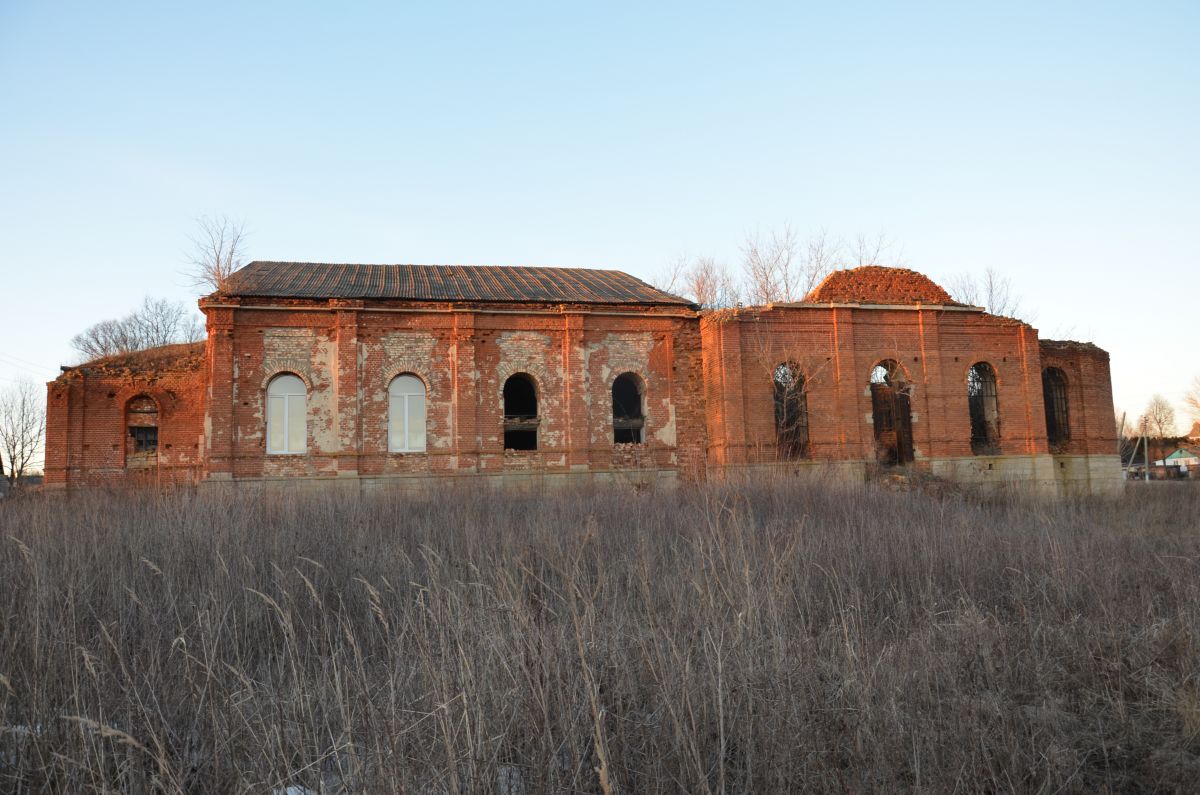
[875, 284]
[487, 283]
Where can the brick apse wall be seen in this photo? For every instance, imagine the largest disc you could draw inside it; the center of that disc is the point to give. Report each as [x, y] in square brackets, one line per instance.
[90, 410]
[837, 347]
[706, 378]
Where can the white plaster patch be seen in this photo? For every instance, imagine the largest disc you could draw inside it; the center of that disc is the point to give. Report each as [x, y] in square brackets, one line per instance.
[628, 351]
[322, 403]
[666, 434]
[288, 349]
[408, 351]
[525, 350]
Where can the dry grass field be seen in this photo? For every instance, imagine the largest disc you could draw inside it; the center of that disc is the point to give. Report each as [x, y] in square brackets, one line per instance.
[764, 637]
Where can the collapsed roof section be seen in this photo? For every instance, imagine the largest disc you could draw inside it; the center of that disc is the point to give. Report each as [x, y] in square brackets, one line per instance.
[875, 284]
[179, 358]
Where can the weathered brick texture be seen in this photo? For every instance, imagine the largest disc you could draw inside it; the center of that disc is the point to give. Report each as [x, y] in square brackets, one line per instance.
[706, 378]
[837, 347]
[88, 419]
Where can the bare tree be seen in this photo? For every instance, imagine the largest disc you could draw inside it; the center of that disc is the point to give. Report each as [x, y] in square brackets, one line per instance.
[769, 266]
[216, 251]
[868, 250]
[992, 291]
[156, 322]
[710, 285]
[1158, 419]
[703, 280]
[22, 428]
[780, 267]
[777, 267]
[1191, 399]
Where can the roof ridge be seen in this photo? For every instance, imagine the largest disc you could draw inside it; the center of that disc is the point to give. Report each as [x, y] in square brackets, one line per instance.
[466, 283]
[435, 265]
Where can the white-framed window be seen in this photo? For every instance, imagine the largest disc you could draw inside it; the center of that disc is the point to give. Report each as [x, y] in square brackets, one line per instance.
[287, 429]
[406, 415]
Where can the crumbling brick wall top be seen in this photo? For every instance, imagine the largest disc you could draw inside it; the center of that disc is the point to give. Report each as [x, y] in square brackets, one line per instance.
[1072, 345]
[165, 359]
[874, 284]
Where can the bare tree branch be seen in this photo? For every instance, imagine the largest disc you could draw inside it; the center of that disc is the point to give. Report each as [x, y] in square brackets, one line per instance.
[216, 251]
[1191, 399]
[992, 291]
[156, 322]
[1158, 418]
[776, 267]
[877, 250]
[703, 280]
[22, 428]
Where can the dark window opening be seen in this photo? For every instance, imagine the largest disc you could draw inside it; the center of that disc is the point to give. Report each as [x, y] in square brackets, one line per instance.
[891, 411]
[791, 412]
[1058, 420]
[141, 419]
[629, 421]
[520, 413]
[984, 407]
[145, 439]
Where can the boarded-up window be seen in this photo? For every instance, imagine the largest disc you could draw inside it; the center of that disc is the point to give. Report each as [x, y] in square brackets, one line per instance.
[287, 426]
[791, 411]
[984, 407]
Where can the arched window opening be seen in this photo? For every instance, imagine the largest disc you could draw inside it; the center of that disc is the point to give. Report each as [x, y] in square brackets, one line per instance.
[141, 418]
[1058, 419]
[629, 420]
[791, 411]
[287, 427]
[984, 406]
[520, 413]
[891, 411]
[406, 415]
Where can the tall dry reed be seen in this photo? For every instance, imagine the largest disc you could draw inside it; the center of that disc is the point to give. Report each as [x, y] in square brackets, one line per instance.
[736, 638]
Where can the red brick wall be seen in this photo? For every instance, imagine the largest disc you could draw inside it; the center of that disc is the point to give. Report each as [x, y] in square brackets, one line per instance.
[837, 347]
[348, 354]
[708, 395]
[1090, 415]
[87, 436]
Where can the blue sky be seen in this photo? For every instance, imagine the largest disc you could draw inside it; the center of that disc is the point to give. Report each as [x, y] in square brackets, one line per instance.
[1054, 142]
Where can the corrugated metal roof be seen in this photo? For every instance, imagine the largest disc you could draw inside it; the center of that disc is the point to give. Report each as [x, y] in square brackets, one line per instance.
[486, 283]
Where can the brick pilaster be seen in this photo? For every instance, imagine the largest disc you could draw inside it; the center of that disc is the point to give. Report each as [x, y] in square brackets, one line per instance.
[347, 384]
[220, 359]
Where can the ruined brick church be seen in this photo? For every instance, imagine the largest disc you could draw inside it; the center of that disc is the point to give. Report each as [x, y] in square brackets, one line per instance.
[400, 374]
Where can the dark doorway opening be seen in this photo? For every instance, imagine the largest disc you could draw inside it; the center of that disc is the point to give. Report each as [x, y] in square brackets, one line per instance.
[892, 412]
[791, 412]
